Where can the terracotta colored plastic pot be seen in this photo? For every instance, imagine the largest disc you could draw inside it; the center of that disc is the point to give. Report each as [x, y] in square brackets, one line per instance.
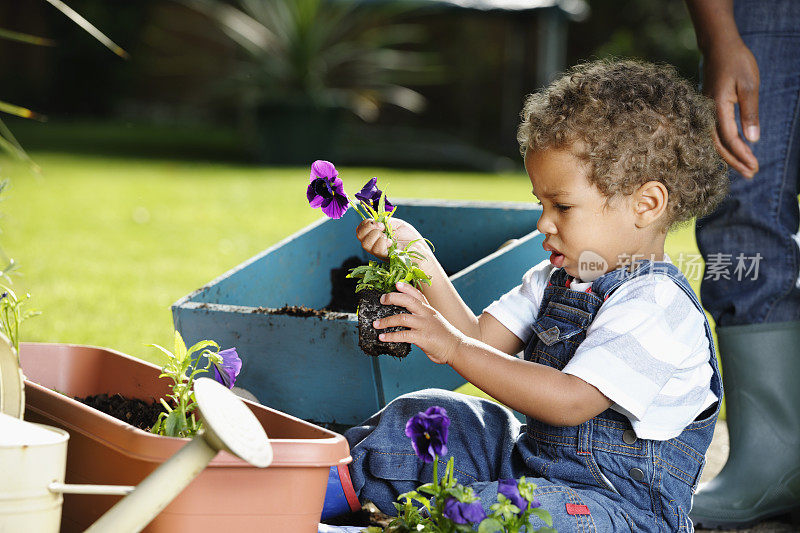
[229, 495]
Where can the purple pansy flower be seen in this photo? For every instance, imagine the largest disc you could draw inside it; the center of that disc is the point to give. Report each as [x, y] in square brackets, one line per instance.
[371, 194]
[230, 367]
[462, 512]
[326, 190]
[428, 433]
[509, 489]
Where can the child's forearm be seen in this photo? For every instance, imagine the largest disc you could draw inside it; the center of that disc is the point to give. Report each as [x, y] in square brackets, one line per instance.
[538, 391]
[444, 297]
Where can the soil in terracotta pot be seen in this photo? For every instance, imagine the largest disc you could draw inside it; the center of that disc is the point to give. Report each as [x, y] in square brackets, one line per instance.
[131, 410]
[371, 309]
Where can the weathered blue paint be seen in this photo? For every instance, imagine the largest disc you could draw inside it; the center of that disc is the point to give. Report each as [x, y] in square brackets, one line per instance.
[312, 367]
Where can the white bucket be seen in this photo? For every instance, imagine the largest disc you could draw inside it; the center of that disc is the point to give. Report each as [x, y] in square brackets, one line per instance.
[32, 456]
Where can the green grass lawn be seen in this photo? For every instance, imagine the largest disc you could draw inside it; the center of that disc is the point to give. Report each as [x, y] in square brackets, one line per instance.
[107, 244]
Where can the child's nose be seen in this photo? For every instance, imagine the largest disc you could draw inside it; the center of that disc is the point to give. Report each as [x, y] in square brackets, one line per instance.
[545, 225]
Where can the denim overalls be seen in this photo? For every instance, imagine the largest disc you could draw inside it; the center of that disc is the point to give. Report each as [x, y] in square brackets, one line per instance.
[597, 476]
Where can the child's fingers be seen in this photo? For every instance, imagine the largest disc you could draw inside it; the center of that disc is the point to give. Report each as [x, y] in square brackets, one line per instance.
[405, 320]
[366, 226]
[406, 335]
[375, 242]
[407, 288]
[414, 305]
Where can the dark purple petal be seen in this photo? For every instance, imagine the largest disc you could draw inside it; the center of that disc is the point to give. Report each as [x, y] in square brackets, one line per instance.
[336, 206]
[509, 489]
[369, 191]
[463, 513]
[428, 433]
[323, 169]
[336, 186]
[227, 371]
[323, 187]
[314, 200]
[371, 194]
[328, 193]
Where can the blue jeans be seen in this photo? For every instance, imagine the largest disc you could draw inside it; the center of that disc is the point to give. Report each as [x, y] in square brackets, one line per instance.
[482, 439]
[761, 215]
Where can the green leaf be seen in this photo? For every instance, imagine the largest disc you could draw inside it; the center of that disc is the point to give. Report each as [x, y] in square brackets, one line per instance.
[173, 424]
[490, 525]
[25, 38]
[372, 213]
[159, 425]
[427, 488]
[18, 111]
[203, 344]
[88, 27]
[382, 203]
[166, 352]
[544, 515]
[359, 271]
[180, 347]
[419, 273]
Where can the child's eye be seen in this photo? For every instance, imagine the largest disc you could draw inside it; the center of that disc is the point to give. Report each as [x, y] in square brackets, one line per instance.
[538, 203]
[562, 208]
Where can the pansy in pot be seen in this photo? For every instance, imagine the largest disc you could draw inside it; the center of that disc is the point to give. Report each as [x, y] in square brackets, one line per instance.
[182, 366]
[227, 366]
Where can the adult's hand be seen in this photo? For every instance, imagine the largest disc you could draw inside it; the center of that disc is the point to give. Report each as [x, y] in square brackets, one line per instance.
[730, 76]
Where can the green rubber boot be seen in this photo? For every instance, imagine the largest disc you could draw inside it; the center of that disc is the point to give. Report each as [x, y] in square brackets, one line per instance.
[761, 377]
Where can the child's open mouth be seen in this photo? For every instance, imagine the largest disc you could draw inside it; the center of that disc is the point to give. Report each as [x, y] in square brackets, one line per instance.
[557, 259]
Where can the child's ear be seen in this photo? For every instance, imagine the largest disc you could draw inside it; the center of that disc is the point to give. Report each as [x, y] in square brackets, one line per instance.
[650, 203]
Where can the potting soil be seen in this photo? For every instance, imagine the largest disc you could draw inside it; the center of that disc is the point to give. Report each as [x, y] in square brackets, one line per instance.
[135, 412]
[371, 309]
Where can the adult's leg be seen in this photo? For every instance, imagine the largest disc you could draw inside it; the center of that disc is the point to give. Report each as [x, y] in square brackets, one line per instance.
[754, 227]
[758, 312]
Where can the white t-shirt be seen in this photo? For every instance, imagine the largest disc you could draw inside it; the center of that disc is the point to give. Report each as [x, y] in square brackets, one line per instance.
[646, 349]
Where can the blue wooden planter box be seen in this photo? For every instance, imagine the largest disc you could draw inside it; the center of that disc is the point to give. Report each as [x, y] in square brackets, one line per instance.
[312, 367]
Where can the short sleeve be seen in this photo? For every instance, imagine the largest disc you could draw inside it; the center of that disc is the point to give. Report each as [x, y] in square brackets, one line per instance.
[518, 308]
[646, 335]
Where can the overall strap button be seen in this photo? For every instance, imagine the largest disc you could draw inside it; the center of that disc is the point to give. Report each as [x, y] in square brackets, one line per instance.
[629, 436]
[636, 474]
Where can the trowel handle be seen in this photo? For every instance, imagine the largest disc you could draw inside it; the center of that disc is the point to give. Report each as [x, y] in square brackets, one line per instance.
[151, 496]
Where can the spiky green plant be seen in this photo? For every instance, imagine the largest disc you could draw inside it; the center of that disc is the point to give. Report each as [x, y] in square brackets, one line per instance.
[342, 54]
[9, 143]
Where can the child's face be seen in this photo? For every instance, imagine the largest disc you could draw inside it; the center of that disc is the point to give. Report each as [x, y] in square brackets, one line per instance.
[581, 225]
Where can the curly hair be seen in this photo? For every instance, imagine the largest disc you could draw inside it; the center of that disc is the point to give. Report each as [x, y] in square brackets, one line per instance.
[632, 122]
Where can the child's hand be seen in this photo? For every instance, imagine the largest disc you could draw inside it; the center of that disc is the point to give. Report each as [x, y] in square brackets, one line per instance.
[374, 240]
[427, 328]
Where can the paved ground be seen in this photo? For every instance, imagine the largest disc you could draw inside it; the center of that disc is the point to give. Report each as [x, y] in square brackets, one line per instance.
[715, 459]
